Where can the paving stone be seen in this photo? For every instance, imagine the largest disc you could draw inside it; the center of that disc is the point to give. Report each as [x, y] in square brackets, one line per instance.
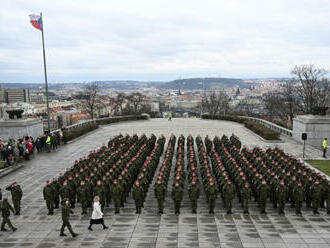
[36, 229]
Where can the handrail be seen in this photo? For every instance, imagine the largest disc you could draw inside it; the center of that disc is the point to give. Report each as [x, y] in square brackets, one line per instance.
[271, 125]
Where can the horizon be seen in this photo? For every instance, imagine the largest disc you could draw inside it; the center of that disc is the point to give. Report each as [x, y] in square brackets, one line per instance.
[151, 81]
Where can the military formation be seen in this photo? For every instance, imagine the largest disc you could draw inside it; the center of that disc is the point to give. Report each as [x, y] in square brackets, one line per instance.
[221, 168]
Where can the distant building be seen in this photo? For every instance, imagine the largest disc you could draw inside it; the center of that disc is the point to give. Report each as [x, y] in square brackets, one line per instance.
[15, 95]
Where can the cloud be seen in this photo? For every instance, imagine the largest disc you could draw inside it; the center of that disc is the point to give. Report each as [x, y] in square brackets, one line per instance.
[162, 40]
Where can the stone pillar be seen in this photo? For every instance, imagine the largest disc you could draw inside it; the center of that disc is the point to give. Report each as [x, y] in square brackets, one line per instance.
[317, 128]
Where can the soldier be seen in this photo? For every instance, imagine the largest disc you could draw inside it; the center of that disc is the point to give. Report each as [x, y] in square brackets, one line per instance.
[116, 195]
[177, 195]
[99, 191]
[308, 190]
[212, 196]
[73, 192]
[246, 196]
[281, 195]
[65, 218]
[48, 193]
[194, 192]
[65, 191]
[298, 197]
[16, 194]
[263, 194]
[5, 209]
[316, 196]
[138, 196]
[328, 199]
[82, 193]
[160, 191]
[56, 187]
[228, 192]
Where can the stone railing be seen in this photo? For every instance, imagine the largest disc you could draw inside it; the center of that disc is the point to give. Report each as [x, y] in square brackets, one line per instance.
[104, 121]
[271, 125]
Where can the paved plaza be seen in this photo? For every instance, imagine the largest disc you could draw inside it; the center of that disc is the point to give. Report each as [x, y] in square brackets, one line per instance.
[37, 229]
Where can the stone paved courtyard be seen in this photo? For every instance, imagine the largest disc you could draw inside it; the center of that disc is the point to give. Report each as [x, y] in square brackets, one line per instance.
[37, 229]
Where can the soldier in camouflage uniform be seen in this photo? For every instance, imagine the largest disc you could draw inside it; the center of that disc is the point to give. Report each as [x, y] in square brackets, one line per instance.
[194, 192]
[66, 211]
[316, 194]
[82, 193]
[138, 196]
[298, 193]
[263, 194]
[328, 199]
[56, 187]
[49, 197]
[228, 192]
[177, 196]
[281, 195]
[5, 209]
[160, 192]
[65, 191]
[246, 197]
[212, 195]
[99, 191]
[116, 195]
[16, 193]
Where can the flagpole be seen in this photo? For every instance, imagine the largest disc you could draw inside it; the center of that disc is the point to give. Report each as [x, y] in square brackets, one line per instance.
[45, 71]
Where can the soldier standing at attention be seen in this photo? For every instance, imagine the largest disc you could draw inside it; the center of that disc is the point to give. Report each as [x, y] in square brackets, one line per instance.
[281, 194]
[177, 195]
[16, 194]
[82, 193]
[5, 209]
[66, 211]
[48, 193]
[328, 199]
[228, 195]
[56, 187]
[298, 197]
[246, 196]
[212, 196]
[138, 196]
[263, 194]
[194, 192]
[116, 195]
[160, 195]
[316, 196]
[65, 191]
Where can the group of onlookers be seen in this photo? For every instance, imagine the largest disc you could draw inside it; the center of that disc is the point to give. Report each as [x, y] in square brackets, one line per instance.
[13, 150]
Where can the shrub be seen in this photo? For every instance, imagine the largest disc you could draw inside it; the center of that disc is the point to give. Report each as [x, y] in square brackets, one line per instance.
[258, 128]
[76, 132]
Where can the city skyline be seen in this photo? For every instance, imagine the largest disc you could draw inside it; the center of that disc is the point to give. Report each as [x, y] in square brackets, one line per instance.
[155, 41]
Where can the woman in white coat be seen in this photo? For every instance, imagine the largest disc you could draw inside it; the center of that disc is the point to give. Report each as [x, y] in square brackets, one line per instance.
[97, 215]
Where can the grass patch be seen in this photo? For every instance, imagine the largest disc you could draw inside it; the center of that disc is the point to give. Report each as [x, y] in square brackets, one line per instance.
[3, 164]
[322, 165]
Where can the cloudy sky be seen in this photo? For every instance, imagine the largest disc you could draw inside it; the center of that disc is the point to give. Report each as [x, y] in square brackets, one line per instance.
[162, 40]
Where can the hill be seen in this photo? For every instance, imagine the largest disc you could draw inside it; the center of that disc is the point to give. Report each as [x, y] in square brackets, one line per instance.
[202, 83]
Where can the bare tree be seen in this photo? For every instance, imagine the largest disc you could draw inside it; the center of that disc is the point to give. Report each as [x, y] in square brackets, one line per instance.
[118, 103]
[313, 89]
[282, 104]
[91, 93]
[136, 100]
[215, 102]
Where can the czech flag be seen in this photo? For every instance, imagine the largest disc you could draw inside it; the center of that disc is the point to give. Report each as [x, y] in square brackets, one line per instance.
[36, 21]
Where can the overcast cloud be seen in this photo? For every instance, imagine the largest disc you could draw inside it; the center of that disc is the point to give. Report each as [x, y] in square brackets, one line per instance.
[162, 40]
